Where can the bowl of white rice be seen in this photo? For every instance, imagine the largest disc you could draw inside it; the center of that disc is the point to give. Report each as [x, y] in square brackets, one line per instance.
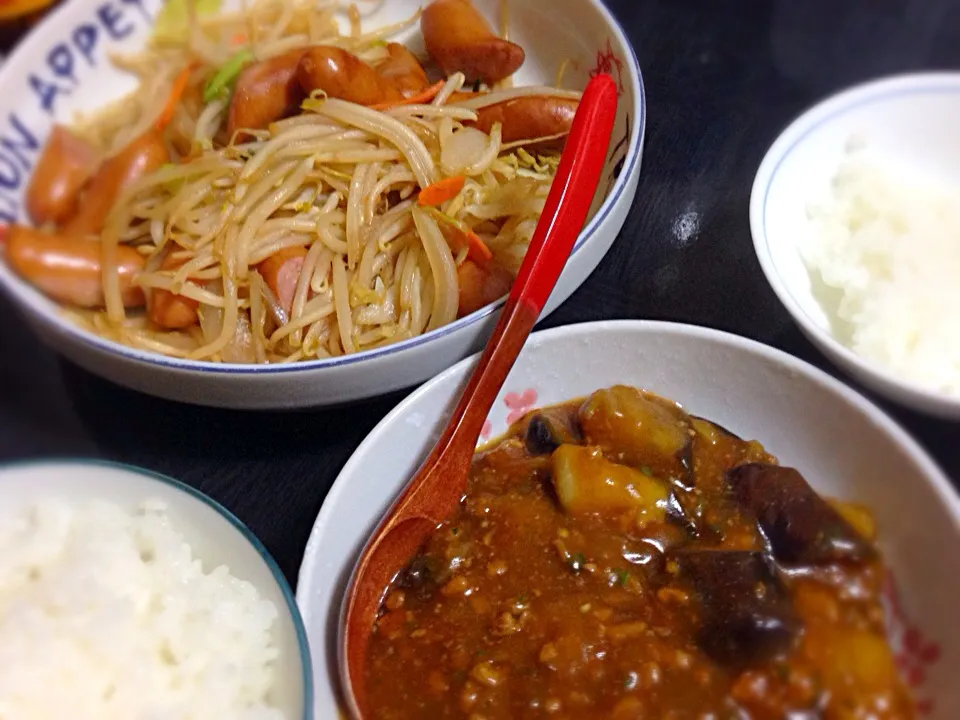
[855, 214]
[127, 595]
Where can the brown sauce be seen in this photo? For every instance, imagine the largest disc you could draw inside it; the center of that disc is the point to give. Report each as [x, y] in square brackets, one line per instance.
[609, 562]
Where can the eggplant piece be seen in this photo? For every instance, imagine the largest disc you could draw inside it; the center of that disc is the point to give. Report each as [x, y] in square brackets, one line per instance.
[639, 430]
[711, 430]
[510, 460]
[587, 483]
[421, 578]
[550, 428]
[801, 527]
[747, 616]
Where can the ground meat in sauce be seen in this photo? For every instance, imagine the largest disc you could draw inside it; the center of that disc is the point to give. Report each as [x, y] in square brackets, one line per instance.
[600, 567]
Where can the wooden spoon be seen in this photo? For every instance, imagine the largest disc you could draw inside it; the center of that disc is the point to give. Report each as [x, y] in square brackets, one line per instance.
[435, 491]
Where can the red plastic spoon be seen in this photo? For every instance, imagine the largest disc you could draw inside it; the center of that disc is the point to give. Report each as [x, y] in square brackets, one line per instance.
[435, 491]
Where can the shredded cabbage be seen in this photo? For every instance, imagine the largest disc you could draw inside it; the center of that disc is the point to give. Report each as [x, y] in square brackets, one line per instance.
[173, 20]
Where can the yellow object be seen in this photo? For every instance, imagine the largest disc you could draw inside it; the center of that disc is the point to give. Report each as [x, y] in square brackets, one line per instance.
[858, 516]
[586, 482]
[173, 20]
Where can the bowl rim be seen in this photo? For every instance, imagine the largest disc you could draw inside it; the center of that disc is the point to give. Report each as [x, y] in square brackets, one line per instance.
[289, 597]
[791, 140]
[48, 312]
[932, 473]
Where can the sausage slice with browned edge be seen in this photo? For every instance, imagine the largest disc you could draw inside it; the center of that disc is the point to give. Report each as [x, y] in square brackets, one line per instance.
[141, 157]
[167, 309]
[68, 269]
[341, 74]
[265, 92]
[65, 165]
[275, 88]
[460, 40]
[481, 285]
[531, 118]
[403, 70]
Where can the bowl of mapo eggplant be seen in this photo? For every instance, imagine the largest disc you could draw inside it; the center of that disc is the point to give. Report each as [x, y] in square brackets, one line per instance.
[660, 521]
[280, 204]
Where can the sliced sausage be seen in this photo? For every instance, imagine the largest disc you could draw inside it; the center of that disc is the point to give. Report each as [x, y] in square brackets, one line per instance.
[172, 312]
[64, 167]
[68, 269]
[531, 118]
[403, 70]
[481, 286]
[460, 40]
[169, 310]
[141, 157]
[281, 272]
[265, 92]
[343, 75]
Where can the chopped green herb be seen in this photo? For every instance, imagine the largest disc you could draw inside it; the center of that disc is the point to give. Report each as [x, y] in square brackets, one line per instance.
[455, 531]
[221, 84]
[522, 598]
[622, 577]
[646, 470]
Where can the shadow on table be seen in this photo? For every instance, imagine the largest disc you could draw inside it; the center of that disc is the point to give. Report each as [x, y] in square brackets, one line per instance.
[126, 422]
[272, 470]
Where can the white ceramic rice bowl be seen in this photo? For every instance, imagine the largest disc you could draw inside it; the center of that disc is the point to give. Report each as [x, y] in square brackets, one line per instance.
[64, 63]
[845, 446]
[909, 119]
[214, 534]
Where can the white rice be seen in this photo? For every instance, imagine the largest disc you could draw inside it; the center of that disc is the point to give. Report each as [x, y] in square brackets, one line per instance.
[889, 246]
[106, 614]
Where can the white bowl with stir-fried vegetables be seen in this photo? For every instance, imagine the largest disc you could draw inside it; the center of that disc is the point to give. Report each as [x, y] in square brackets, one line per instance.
[773, 546]
[297, 204]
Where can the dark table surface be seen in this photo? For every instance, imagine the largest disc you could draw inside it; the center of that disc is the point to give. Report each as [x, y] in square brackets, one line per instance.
[723, 77]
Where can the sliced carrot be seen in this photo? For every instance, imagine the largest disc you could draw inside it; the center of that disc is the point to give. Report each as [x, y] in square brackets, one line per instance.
[238, 39]
[477, 249]
[425, 96]
[176, 92]
[440, 192]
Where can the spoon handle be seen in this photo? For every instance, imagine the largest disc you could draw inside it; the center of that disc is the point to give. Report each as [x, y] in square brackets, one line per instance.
[434, 492]
[564, 215]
